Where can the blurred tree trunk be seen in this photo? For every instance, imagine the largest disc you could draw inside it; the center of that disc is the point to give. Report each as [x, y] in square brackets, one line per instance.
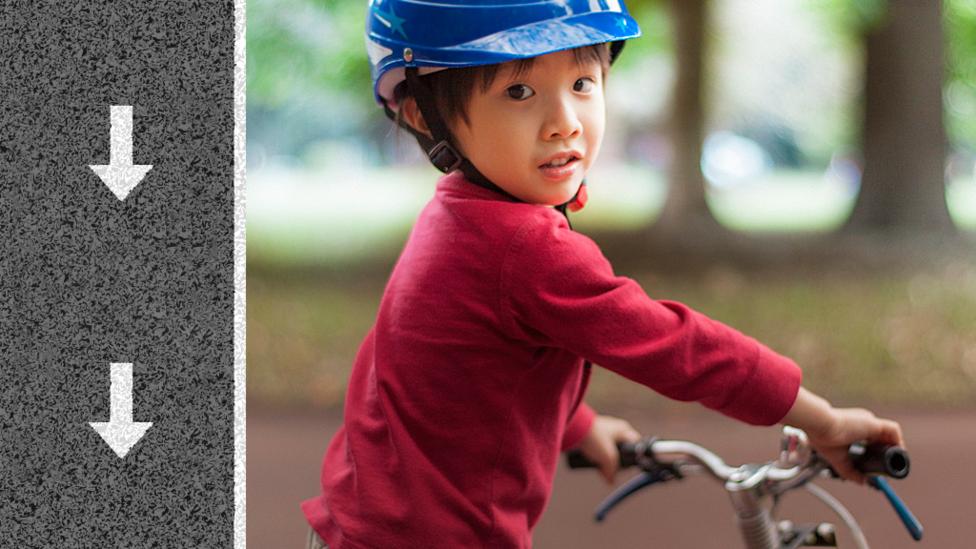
[904, 140]
[685, 210]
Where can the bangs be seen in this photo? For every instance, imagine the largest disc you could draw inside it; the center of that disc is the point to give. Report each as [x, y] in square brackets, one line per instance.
[452, 88]
[489, 73]
[597, 53]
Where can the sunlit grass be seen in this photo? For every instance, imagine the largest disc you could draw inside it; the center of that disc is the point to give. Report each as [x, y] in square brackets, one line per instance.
[299, 217]
[897, 339]
[784, 201]
[961, 199]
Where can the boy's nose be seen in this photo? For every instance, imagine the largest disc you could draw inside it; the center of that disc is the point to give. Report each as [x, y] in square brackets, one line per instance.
[562, 121]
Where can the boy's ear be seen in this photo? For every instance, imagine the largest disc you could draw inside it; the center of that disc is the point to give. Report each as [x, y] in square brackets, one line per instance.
[410, 113]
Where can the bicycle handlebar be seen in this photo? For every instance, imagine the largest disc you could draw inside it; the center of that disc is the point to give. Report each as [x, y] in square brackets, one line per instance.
[888, 460]
[880, 459]
[663, 460]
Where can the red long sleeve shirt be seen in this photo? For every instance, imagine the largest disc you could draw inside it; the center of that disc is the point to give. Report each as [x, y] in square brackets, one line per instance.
[466, 388]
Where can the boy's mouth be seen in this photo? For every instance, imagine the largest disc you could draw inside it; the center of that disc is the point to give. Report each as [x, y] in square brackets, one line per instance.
[560, 167]
[561, 159]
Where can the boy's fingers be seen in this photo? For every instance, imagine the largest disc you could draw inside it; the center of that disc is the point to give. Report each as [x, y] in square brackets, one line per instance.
[611, 462]
[893, 432]
[887, 432]
[627, 435]
[625, 432]
[852, 475]
[843, 466]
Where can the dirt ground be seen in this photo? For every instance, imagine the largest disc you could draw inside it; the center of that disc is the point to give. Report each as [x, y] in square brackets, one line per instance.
[284, 452]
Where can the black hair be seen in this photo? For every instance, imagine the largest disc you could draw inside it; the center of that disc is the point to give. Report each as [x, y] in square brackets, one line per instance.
[453, 88]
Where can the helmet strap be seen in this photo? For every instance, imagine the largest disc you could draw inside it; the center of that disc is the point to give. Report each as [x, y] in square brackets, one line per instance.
[615, 49]
[441, 151]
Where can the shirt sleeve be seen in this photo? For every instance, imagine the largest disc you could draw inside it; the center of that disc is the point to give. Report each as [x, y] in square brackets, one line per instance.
[577, 427]
[557, 289]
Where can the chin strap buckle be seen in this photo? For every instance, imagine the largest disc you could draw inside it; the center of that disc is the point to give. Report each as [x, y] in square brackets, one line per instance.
[444, 157]
[579, 200]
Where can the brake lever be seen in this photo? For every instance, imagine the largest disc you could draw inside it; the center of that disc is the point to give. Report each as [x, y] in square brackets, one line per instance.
[643, 480]
[907, 518]
[896, 465]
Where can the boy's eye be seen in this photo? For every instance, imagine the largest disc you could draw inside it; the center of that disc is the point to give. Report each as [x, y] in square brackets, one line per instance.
[519, 92]
[584, 85]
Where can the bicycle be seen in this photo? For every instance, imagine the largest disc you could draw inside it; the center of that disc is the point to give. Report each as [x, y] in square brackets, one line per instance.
[751, 486]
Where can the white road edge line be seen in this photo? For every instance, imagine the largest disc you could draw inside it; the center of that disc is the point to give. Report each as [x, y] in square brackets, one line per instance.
[240, 263]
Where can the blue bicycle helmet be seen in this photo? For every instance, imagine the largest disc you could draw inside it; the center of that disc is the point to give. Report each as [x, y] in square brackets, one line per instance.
[464, 33]
[408, 38]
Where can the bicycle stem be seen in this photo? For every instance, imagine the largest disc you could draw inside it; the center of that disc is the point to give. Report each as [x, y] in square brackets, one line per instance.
[744, 487]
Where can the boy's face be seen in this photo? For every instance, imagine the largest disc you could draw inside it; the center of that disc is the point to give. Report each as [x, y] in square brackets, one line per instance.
[526, 125]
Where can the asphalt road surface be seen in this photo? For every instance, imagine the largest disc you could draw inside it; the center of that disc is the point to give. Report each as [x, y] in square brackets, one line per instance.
[284, 452]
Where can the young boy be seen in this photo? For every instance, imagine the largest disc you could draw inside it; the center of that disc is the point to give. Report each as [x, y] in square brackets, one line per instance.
[471, 381]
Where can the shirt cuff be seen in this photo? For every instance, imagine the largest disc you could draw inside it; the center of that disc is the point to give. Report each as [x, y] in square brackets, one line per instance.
[577, 427]
[769, 393]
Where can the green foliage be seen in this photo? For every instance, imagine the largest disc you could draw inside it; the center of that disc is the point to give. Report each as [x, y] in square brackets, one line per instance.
[960, 17]
[297, 47]
[852, 19]
[655, 39]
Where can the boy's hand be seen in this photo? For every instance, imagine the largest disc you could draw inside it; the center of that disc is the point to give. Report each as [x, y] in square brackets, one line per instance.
[852, 425]
[832, 430]
[600, 443]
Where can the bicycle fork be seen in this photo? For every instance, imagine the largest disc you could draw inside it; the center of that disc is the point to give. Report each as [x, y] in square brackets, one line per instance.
[756, 524]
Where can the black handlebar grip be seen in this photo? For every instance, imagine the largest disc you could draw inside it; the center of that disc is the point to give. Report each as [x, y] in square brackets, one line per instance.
[880, 459]
[628, 457]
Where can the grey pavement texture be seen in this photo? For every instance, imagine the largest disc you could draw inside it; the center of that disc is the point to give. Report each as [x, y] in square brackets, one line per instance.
[87, 280]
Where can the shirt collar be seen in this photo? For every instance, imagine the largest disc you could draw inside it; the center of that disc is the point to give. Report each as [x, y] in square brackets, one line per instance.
[455, 184]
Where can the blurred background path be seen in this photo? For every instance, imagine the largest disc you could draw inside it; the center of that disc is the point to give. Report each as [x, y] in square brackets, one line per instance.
[285, 451]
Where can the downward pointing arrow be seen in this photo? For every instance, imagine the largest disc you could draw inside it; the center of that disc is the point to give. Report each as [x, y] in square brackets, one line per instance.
[120, 432]
[120, 174]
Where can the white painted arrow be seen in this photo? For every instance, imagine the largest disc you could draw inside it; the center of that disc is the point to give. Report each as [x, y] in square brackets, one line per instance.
[120, 432]
[120, 174]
